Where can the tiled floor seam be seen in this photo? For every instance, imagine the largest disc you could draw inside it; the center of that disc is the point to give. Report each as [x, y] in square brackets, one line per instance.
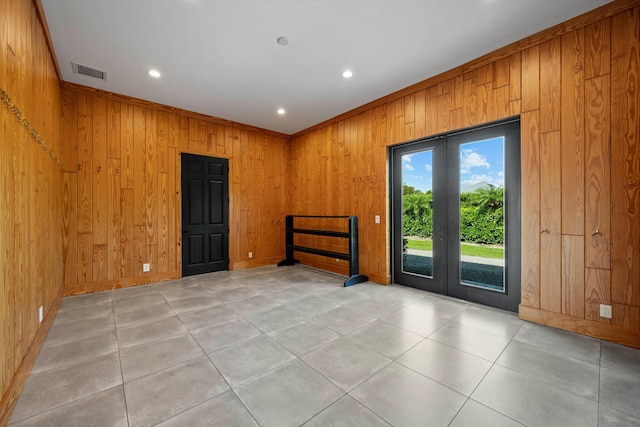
[124, 392]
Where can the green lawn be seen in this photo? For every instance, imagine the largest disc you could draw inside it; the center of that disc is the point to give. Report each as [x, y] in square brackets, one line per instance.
[470, 250]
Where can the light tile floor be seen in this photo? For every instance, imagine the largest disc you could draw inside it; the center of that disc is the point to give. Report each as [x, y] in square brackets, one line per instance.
[290, 346]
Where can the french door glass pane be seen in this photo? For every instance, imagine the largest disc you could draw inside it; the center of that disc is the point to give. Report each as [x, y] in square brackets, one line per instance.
[482, 214]
[417, 213]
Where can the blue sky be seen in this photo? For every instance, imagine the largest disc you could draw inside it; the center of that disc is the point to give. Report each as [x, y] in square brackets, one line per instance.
[480, 161]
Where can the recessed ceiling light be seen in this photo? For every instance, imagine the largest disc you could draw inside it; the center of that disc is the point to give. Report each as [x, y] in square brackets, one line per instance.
[154, 73]
[282, 41]
[281, 111]
[347, 74]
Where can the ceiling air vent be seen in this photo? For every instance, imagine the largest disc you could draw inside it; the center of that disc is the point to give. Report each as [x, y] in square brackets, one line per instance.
[88, 71]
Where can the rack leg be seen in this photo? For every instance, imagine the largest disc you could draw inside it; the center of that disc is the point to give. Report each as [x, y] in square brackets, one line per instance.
[355, 279]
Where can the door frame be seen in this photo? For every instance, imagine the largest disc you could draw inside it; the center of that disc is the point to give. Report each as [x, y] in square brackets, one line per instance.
[510, 298]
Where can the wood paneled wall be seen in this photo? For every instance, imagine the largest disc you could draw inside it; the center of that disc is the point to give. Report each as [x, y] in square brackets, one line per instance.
[121, 188]
[30, 194]
[575, 87]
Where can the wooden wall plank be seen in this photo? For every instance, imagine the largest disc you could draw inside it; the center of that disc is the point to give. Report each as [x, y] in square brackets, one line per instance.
[150, 177]
[597, 174]
[470, 90]
[85, 164]
[194, 130]
[126, 145]
[126, 234]
[530, 199]
[163, 223]
[162, 142]
[100, 263]
[173, 190]
[550, 77]
[550, 238]
[419, 115]
[70, 227]
[138, 166]
[572, 133]
[530, 79]
[598, 49]
[114, 218]
[99, 172]
[70, 117]
[501, 70]
[114, 130]
[573, 280]
[515, 76]
[85, 258]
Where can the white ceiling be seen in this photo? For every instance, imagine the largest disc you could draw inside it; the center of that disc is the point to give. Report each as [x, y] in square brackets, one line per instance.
[220, 57]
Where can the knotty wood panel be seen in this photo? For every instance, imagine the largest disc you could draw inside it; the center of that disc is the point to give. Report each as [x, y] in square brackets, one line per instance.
[598, 49]
[572, 133]
[625, 161]
[597, 173]
[31, 193]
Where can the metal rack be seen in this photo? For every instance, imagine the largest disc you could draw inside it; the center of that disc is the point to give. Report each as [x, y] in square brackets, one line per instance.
[352, 256]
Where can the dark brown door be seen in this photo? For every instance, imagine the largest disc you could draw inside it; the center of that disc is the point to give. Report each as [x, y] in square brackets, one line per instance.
[205, 214]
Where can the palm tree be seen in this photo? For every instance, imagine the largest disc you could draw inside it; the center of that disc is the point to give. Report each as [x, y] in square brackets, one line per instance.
[416, 204]
[490, 198]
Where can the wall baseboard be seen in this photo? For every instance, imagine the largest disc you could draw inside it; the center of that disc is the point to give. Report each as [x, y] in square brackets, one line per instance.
[581, 326]
[21, 376]
[107, 285]
[241, 265]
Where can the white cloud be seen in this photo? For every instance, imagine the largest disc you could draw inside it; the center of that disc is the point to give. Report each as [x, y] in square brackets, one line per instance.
[427, 167]
[407, 158]
[469, 159]
[408, 167]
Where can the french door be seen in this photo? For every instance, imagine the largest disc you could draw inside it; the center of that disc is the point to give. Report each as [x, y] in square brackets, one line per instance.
[456, 214]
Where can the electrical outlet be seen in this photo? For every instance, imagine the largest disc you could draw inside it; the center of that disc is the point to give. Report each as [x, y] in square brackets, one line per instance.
[146, 267]
[250, 254]
[605, 311]
[377, 219]
[40, 314]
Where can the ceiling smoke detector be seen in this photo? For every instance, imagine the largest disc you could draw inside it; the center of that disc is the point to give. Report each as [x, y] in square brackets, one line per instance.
[88, 71]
